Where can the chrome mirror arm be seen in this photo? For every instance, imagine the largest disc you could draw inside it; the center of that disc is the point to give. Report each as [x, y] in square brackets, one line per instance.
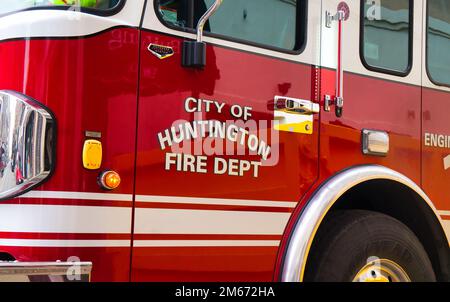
[201, 23]
[194, 52]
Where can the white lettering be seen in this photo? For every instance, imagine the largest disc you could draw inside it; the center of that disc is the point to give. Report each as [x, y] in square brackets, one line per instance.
[186, 163]
[171, 159]
[236, 167]
[236, 111]
[427, 139]
[437, 140]
[220, 166]
[188, 107]
[165, 139]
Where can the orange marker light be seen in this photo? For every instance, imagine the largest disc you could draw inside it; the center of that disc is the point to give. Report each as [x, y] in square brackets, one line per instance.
[109, 180]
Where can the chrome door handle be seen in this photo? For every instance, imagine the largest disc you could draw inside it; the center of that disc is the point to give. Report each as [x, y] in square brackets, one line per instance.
[295, 106]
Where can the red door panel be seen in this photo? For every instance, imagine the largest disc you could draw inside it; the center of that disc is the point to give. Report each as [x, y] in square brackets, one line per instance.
[90, 84]
[435, 158]
[212, 224]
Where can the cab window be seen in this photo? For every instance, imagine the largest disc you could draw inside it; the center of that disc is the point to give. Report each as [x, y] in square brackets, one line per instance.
[9, 6]
[277, 24]
[438, 46]
[386, 35]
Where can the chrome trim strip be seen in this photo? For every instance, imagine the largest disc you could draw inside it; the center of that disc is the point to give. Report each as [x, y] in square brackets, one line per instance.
[318, 206]
[45, 271]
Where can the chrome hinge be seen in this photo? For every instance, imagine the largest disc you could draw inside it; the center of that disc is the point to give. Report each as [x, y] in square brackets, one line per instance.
[329, 17]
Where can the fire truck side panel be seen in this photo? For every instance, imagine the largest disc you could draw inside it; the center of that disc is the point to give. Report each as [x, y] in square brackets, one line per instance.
[435, 125]
[203, 214]
[90, 84]
[373, 100]
[435, 157]
[365, 96]
[406, 106]
[232, 225]
[231, 240]
[379, 101]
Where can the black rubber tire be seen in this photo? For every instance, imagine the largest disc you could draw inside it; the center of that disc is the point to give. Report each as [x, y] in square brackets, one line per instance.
[348, 238]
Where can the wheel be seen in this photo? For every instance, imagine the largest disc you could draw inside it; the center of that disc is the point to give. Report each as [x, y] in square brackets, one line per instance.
[364, 246]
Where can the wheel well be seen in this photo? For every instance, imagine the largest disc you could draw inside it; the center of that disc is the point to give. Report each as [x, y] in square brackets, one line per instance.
[399, 201]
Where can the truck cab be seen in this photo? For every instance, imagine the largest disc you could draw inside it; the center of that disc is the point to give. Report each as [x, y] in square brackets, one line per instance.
[219, 140]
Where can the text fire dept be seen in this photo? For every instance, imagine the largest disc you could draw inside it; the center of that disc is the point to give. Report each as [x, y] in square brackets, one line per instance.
[185, 132]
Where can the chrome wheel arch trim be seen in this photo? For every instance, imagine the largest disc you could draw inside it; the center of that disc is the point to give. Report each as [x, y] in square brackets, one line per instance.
[312, 215]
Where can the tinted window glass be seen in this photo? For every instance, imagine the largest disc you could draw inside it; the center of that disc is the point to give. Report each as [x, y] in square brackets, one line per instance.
[268, 22]
[8, 6]
[438, 48]
[386, 34]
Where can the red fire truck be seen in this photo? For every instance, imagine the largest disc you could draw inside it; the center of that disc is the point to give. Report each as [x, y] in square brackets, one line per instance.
[236, 140]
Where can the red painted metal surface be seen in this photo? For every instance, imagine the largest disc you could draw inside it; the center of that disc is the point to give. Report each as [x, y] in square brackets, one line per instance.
[89, 84]
[435, 121]
[204, 264]
[92, 84]
[376, 104]
[366, 99]
[232, 77]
